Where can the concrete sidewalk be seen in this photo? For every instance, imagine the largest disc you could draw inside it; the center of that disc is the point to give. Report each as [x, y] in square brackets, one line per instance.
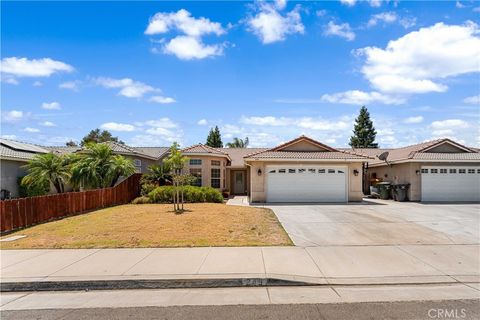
[333, 265]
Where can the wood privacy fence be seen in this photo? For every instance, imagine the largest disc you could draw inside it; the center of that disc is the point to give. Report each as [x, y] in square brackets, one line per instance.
[24, 212]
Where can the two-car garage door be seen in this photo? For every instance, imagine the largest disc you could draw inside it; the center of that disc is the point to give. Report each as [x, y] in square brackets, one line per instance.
[448, 183]
[306, 183]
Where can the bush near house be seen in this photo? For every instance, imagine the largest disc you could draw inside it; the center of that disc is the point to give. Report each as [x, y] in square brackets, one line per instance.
[192, 194]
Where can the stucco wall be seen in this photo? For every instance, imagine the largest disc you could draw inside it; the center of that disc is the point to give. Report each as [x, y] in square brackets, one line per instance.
[407, 173]
[10, 171]
[145, 163]
[206, 169]
[257, 183]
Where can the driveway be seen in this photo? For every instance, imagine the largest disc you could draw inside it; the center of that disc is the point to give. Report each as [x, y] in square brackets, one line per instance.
[376, 222]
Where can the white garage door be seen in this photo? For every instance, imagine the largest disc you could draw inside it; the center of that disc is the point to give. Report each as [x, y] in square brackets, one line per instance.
[450, 183]
[306, 183]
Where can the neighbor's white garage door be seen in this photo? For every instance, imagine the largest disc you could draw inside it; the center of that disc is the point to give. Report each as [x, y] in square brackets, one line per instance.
[444, 183]
[306, 183]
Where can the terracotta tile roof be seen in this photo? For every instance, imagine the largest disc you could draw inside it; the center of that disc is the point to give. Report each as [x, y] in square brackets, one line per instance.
[329, 154]
[127, 150]
[203, 149]
[309, 155]
[466, 156]
[237, 154]
[416, 152]
[61, 150]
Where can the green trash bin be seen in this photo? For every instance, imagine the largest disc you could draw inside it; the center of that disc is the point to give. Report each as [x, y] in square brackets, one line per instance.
[384, 189]
[401, 191]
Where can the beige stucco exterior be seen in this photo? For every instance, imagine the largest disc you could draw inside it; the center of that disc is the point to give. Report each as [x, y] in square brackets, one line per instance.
[206, 168]
[408, 172]
[258, 186]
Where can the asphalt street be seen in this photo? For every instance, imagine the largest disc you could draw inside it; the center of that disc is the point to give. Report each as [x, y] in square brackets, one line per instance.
[451, 309]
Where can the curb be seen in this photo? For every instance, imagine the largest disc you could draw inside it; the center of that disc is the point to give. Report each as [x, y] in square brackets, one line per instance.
[146, 284]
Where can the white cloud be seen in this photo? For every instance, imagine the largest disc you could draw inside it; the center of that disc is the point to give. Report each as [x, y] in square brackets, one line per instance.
[51, 106]
[349, 3]
[31, 130]
[37, 84]
[114, 126]
[71, 85]
[449, 124]
[189, 48]
[12, 116]
[202, 122]
[189, 44]
[23, 67]
[162, 123]
[183, 21]
[472, 99]
[342, 30]
[415, 62]
[459, 5]
[270, 26]
[47, 124]
[128, 87]
[303, 122]
[357, 97]
[162, 100]
[7, 78]
[386, 17]
[414, 119]
[375, 3]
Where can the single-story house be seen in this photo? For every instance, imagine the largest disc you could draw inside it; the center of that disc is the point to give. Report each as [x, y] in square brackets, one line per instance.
[438, 170]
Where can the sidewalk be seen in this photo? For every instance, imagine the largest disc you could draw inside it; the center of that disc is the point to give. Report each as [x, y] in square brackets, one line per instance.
[327, 265]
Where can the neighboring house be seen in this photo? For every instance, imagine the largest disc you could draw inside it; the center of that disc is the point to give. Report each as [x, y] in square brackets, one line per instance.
[438, 170]
[13, 156]
[305, 170]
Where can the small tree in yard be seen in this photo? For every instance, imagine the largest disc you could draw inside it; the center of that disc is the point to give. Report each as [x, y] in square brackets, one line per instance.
[176, 161]
[363, 132]
[214, 138]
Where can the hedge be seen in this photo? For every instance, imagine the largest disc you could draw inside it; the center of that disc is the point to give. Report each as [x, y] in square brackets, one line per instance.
[164, 194]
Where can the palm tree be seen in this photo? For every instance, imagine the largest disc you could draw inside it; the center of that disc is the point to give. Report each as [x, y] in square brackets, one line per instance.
[238, 143]
[158, 174]
[47, 168]
[120, 166]
[99, 167]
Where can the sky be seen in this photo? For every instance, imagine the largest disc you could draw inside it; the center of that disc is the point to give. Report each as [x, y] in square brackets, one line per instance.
[157, 72]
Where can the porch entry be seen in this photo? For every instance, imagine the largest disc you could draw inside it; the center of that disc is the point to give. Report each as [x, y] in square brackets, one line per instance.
[239, 182]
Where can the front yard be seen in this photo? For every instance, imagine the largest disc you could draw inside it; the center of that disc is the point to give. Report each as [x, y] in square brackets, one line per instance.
[156, 225]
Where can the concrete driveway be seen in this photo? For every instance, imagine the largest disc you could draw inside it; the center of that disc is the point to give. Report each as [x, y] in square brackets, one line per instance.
[376, 222]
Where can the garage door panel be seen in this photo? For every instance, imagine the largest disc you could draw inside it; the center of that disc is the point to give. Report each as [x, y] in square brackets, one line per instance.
[440, 183]
[306, 184]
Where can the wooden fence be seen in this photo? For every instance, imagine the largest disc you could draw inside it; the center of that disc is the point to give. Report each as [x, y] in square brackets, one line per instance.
[24, 212]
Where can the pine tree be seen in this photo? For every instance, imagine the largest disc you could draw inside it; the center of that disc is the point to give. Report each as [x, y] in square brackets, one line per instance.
[214, 138]
[363, 133]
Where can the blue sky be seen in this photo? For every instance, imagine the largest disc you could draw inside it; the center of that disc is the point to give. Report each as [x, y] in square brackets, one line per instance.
[157, 72]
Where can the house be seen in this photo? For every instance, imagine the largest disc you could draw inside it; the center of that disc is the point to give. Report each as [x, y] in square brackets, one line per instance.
[438, 170]
[305, 170]
[13, 156]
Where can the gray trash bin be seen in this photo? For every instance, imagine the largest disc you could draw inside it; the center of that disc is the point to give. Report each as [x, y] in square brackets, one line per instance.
[400, 191]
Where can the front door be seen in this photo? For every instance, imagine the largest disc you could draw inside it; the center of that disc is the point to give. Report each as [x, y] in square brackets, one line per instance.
[239, 182]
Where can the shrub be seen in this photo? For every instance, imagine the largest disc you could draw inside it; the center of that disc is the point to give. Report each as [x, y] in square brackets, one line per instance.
[33, 190]
[147, 188]
[161, 194]
[164, 194]
[212, 195]
[141, 200]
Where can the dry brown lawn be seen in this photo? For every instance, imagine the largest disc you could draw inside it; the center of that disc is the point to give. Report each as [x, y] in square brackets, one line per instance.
[156, 225]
